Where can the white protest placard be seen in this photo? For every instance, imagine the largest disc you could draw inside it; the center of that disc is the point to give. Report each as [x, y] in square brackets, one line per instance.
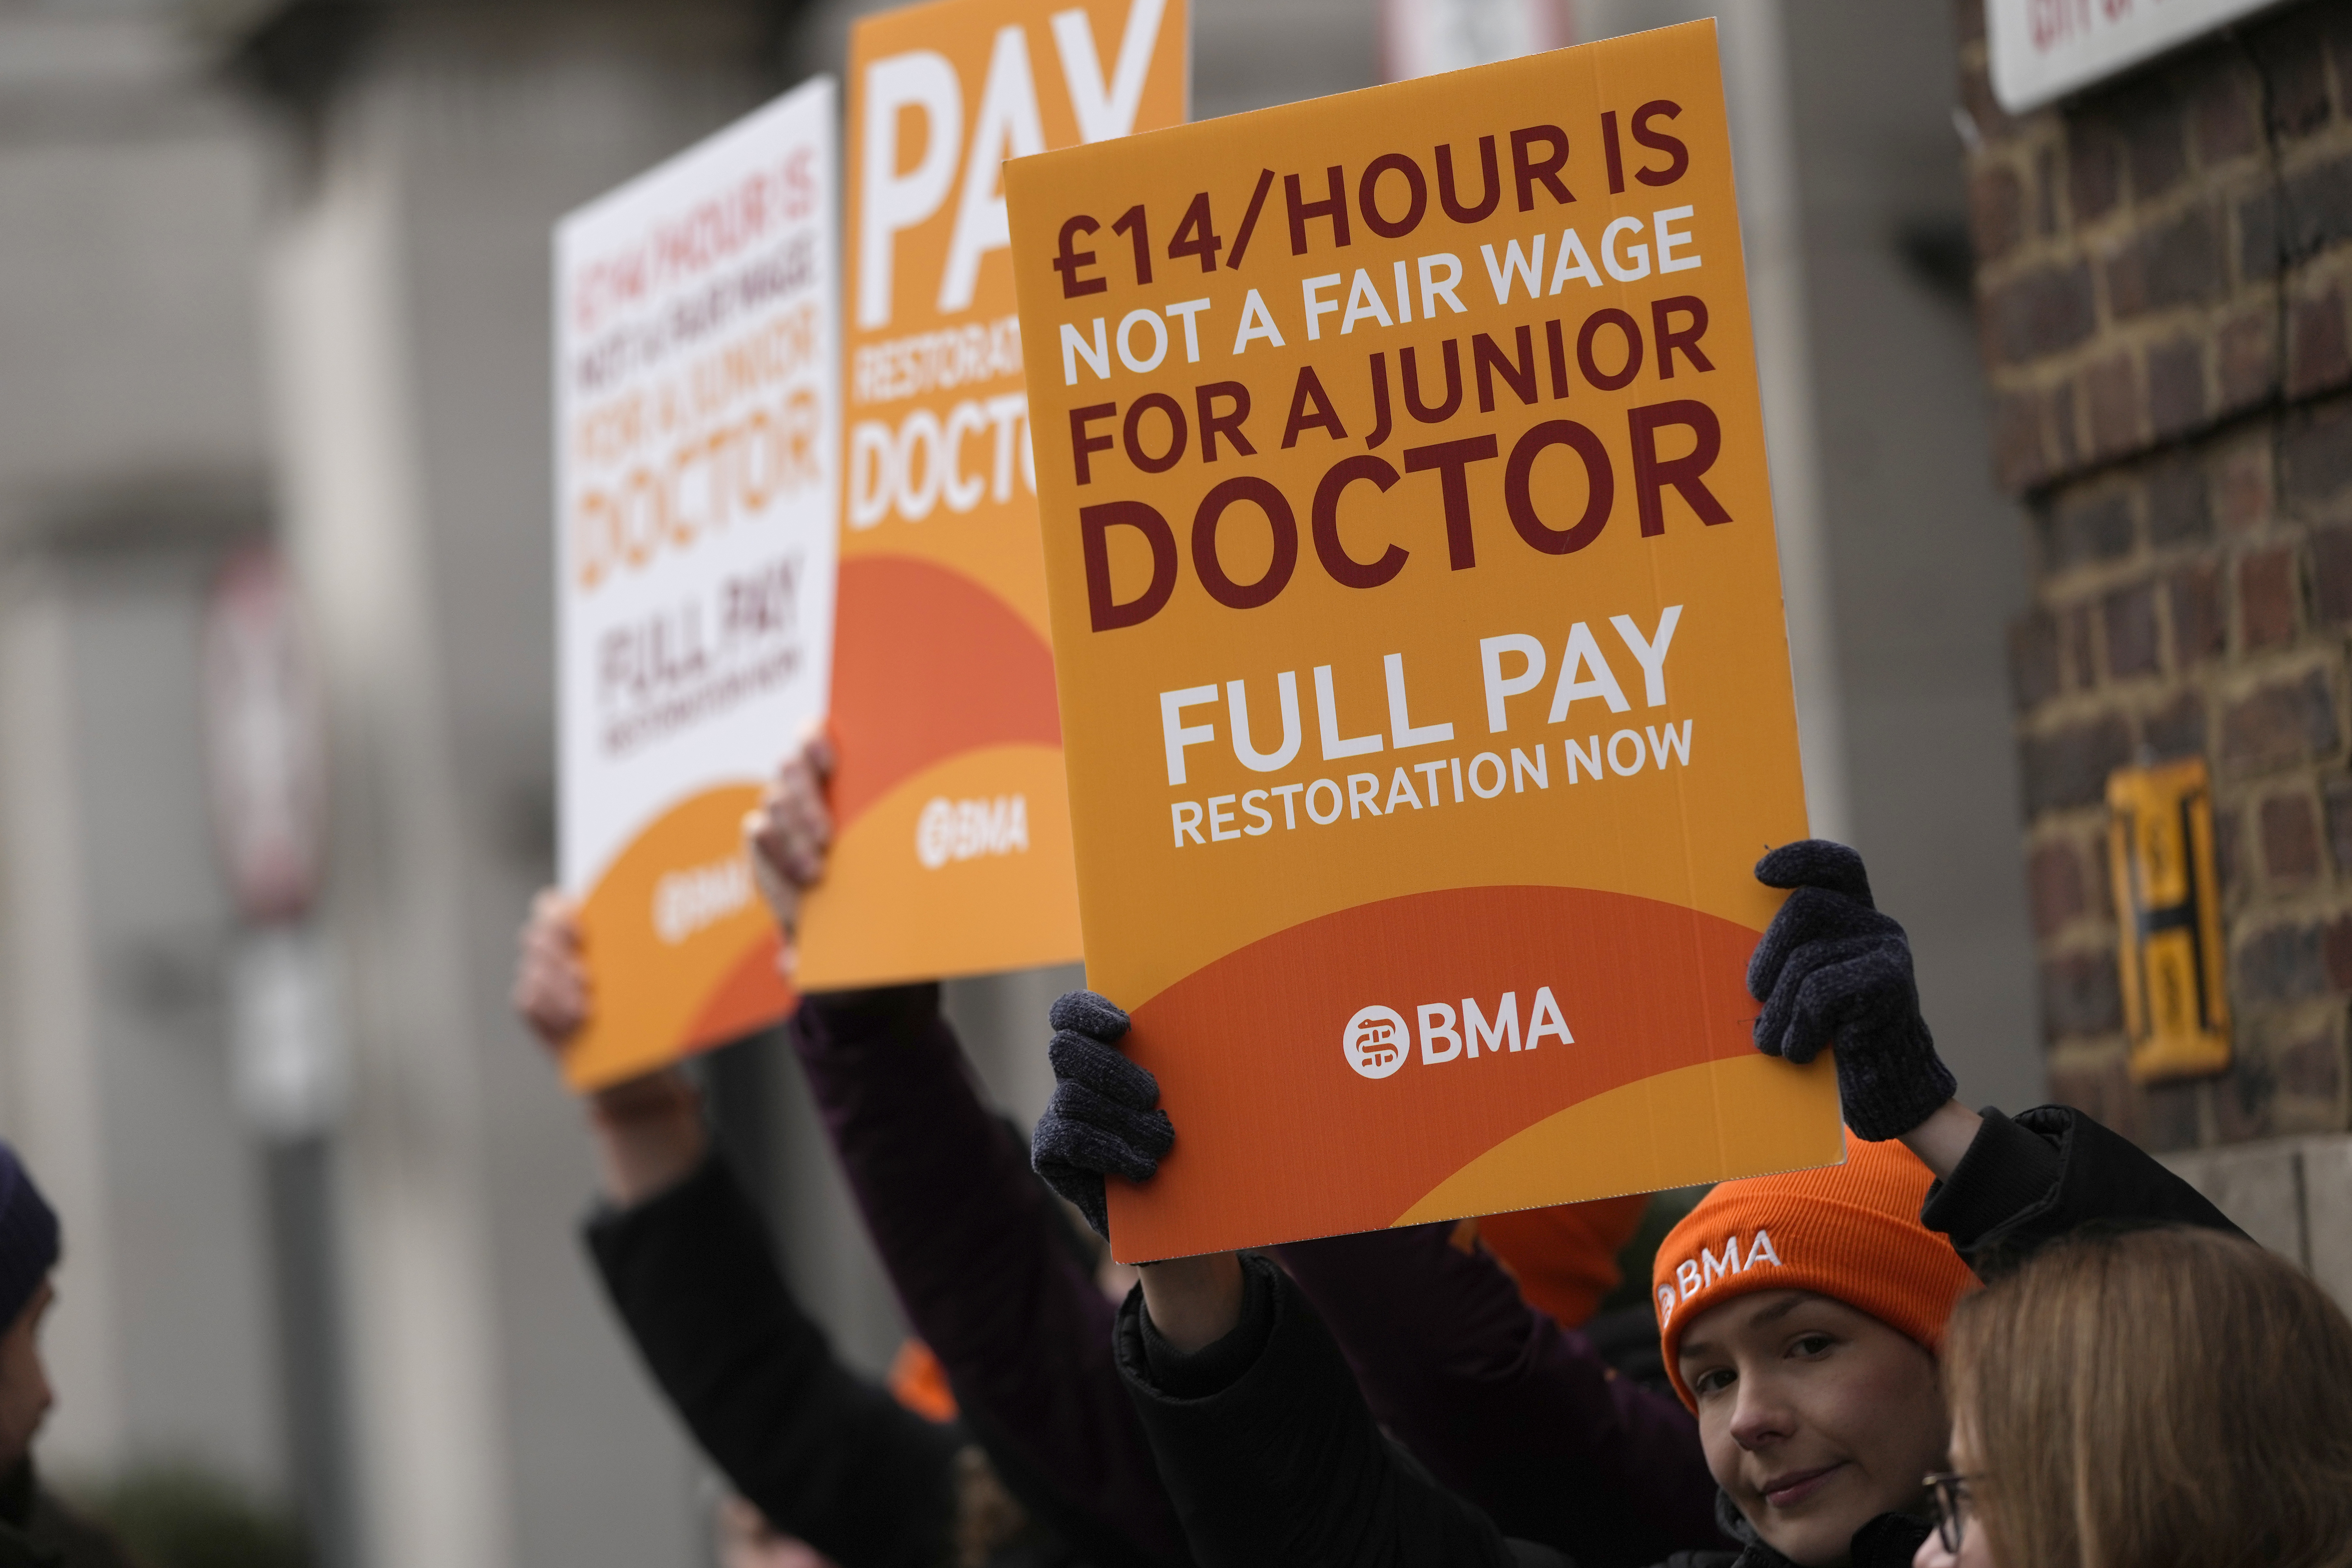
[696, 428]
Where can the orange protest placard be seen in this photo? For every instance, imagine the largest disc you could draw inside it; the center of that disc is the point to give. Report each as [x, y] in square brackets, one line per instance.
[1417, 621]
[954, 849]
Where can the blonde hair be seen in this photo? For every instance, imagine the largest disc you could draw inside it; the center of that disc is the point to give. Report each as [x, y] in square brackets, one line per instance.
[2154, 1398]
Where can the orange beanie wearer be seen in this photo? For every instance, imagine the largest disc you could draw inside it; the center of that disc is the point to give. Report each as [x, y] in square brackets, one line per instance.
[1850, 1232]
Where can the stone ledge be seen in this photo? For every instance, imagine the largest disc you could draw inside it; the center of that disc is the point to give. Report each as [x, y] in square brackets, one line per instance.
[2292, 1195]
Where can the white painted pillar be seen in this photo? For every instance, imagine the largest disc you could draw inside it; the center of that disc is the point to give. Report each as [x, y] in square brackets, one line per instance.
[431, 1456]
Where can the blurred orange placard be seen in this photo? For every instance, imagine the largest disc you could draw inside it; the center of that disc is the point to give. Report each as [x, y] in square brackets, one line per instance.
[954, 851]
[1417, 620]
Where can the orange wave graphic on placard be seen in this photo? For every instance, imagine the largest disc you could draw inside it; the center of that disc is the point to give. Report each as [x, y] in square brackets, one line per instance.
[1278, 1137]
[681, 952]
[1609, 1145]
[927, 664]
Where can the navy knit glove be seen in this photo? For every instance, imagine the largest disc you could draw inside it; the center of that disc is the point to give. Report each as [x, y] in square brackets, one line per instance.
[1831, 969]
[1101, 1121]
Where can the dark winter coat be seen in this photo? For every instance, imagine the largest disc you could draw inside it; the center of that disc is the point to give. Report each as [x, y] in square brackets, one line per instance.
[984, 1269]
[1272, 1454]
[824, 1453]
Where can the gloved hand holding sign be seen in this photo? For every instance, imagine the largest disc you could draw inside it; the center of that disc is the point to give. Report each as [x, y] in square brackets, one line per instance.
[1831, 969]
[1103, 1118]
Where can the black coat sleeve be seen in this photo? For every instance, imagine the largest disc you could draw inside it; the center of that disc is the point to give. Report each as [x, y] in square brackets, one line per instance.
[992, 1277]
[1504, 1405]
[826, 1455]
[1270, 1455]
[2025, 1183]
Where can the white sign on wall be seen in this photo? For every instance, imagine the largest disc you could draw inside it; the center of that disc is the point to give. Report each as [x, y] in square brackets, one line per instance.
[2043, 49]
[696, 439]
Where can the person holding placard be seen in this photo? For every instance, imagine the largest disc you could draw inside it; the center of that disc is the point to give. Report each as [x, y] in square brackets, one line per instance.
[899, 1099]
[1046, 1454]
[1432, 1305]
[899, 1102]
[824, 1454]
[1800, 1314]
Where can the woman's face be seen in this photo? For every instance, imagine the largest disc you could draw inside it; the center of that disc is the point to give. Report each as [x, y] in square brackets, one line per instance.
[1816, 1418]
[1976, 1548]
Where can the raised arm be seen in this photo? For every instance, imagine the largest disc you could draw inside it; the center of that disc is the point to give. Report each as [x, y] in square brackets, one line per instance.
[1265, 1439]
[823, 1453]
[1523, 1419]
[990, 1273]
[648, 1132]
[1520, 1415]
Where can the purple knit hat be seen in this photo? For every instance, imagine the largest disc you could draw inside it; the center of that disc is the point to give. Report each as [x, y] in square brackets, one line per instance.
[28, 1236]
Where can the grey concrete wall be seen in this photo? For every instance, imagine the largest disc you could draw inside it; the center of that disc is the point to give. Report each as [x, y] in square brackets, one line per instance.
[492, 147]
[1928, 559]
[190, 1267]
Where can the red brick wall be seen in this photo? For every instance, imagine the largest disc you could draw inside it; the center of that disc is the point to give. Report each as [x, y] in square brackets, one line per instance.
[2163, 269]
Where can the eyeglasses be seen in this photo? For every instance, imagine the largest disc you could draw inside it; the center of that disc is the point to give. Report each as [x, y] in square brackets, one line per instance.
[1949, 1492]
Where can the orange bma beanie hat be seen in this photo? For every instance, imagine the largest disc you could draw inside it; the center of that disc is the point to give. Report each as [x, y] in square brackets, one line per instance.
[1850, 1232]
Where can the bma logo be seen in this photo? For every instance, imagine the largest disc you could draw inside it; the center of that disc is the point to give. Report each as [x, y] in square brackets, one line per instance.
[689, 901]
[1377, 1041]
[1695, 1276]
[964, 829]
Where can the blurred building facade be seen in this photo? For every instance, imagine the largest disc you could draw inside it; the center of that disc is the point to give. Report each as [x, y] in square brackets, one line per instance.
[134, 453]
[281, 273]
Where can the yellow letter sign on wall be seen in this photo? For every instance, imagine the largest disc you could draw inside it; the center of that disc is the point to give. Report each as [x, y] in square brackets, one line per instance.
[2171, 960]
[954, 848]
[1417, 620]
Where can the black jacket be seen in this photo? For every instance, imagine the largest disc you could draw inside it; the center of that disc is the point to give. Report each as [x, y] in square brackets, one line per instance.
[1270, 1457]
[826, 1454]
[992, 1274]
